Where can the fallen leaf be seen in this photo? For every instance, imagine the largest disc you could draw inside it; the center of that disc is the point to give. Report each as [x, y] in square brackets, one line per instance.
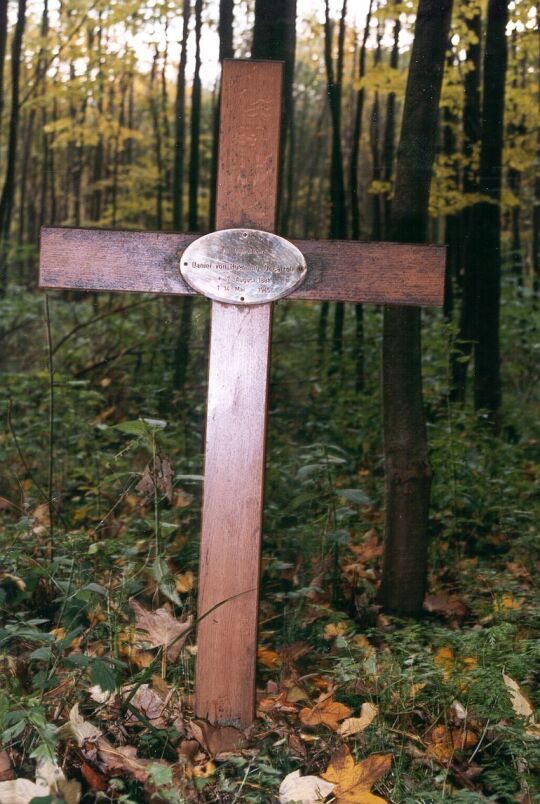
[81, 730]
[521, 706]
[443, 743]
[354, 725]
[50, 782]
[276, 703]
[333, 630]
[268, 658]
[162, 629]
[326, 712]
[6, 768]
[123, 759]
[370, 548]
[303, 789]
[445, 604]
[354, 781]
[184, 582]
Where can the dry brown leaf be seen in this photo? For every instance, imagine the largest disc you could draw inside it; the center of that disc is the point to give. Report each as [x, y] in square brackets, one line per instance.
[276, 703]
[354, 781]
[521, 706]
[79, 729]
[445, 604]
[162, 629]
[370, 548]
[6, 768]
[123, 759]
[326, 712]
[443, 743]
[355, 725]
[157, 475]
[217, 740]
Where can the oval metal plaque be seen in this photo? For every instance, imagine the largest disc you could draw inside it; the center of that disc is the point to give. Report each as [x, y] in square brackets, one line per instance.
[243, 266]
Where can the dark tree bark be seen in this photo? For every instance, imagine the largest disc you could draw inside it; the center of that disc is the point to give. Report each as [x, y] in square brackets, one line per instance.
[487, 217]
[390, 127]
[353, 181]
[180, 125]
[408, 473]
[374, 142]
[158, 141]
[274, 37]
[357, 131]
[338, 206]
[226, 51]
[471, 137]
[183, 342]
[3, 40]
[194, 149]
[6, 199]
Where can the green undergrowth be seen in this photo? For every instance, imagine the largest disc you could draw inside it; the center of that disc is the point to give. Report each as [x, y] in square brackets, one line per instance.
[445, 712]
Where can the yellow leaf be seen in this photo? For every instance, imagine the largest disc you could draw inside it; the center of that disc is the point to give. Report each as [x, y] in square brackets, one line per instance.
[204, 771]
[444, 658]
[333, 630]
[354, 781]
[268, 658]
[326, 712]
[354, 725]
[184, 582]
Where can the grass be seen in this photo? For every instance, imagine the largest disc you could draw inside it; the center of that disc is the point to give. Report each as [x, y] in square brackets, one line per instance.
[445, 714]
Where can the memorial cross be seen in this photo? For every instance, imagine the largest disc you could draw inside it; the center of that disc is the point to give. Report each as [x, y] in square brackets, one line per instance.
[239, 267]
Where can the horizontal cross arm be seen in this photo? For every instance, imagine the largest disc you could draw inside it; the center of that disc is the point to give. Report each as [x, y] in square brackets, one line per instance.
[148, 262]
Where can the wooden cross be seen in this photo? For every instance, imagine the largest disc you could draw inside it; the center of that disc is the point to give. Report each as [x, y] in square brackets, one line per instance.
[148, 262]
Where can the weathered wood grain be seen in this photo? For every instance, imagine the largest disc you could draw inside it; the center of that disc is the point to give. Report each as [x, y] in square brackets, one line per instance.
[148, 262]
[229, 564]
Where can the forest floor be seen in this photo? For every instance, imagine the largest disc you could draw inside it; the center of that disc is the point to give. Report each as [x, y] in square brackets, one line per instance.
[375, 707]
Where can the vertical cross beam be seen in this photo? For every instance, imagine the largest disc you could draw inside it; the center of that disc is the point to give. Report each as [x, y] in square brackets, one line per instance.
[237, 405]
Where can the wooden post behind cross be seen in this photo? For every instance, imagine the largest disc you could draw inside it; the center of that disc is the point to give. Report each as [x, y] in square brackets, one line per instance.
[148, 262]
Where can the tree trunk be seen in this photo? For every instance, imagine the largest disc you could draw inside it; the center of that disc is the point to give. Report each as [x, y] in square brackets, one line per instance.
[390, 128]
[226, 51]
[194, 160]
[180, 125]
[374, 137]
[3, 40]
[408, 473]
[338, 207]
[274, 37]
[471, 137]
[357, 132]
[487, 380]
[6, 199]
[158, 145]
[353, 181]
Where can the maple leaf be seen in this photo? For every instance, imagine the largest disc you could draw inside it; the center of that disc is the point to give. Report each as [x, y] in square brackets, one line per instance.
[162, 629]
[326, 712]
[354, 781]
[443, 742]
